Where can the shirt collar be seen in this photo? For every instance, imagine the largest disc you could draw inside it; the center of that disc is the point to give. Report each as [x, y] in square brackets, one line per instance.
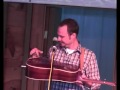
[77, 50]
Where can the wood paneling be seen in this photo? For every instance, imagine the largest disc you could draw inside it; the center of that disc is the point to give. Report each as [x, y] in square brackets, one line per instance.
[13, 51]
[20, 22]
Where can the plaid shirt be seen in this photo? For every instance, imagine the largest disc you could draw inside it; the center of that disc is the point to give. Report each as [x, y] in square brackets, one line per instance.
[72, 62]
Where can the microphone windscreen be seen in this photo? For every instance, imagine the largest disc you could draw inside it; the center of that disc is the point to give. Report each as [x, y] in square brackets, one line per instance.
[55, 39]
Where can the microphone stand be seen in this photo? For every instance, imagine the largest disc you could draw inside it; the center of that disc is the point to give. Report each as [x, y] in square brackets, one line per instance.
[51, 70]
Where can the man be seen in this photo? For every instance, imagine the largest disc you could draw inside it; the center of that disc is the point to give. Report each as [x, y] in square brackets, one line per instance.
[67, 54]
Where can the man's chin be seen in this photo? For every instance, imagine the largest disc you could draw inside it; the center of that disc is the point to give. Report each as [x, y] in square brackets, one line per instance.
[63, 45]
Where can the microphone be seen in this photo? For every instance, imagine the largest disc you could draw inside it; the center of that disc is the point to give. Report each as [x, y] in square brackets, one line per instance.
[54, 43]
[55, 40]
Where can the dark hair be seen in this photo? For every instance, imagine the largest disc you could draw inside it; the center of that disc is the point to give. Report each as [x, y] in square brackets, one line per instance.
[71, 25]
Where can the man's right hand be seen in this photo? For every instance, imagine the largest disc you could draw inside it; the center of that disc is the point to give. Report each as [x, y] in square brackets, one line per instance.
[35, 53]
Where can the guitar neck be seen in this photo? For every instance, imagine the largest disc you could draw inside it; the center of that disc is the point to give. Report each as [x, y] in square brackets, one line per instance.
[100, 82]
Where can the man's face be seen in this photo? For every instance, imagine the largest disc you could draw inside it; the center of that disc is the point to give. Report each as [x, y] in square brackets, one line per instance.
[63, 37]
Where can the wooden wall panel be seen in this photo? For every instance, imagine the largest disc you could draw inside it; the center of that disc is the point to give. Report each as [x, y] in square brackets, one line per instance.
[29, 85]
[38, 25]
[37, 39]
[13, 85]
[15, 41]
[13, 52]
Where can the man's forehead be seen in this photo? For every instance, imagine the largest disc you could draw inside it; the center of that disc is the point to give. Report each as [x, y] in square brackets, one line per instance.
[62, 29]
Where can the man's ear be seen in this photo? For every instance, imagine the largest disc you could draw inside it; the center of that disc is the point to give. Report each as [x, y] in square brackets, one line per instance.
[74, 35]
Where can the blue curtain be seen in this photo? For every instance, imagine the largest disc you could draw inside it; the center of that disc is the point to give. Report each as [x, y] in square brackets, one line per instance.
[98, 33]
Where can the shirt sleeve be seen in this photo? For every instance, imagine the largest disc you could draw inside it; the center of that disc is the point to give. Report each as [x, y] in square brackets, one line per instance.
[92, 71]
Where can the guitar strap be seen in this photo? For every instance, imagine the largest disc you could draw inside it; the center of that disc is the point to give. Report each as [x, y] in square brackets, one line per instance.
[82, 58]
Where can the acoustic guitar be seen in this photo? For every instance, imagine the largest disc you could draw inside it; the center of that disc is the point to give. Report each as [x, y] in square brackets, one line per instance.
[39, 69]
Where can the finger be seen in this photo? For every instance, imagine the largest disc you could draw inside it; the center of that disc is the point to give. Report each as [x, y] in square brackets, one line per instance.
[84, 76]
[79, 82]
[37, 53]
[32, 51]
[41, 52]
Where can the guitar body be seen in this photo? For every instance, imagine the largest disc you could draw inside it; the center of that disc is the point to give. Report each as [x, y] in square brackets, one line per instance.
[38, 69]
